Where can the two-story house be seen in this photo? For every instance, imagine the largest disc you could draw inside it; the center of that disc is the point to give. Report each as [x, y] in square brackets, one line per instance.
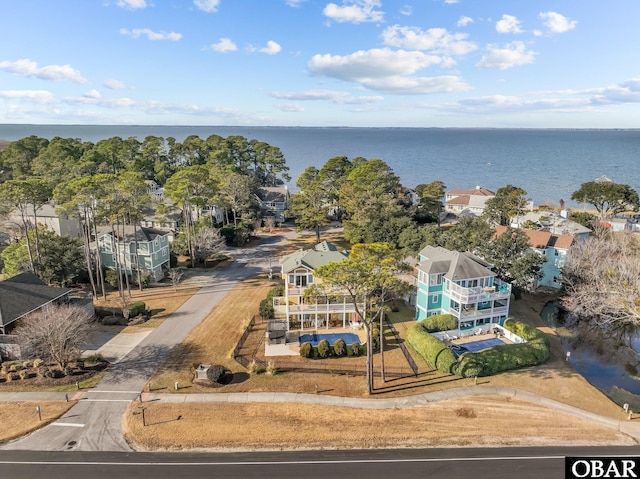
[551, 246]
[60, 223]
[467, 202]
[151, 255]
[274, 201]
[460, 284]
[317, 312]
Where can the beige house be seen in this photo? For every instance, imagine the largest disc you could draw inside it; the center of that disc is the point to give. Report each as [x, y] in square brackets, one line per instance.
[302, 313]
[59, 223]
[467, 202]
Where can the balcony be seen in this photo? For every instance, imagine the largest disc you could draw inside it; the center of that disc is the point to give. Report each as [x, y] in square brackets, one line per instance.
[500, 290]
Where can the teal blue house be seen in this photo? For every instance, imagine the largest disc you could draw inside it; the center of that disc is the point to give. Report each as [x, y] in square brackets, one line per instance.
[461, 284]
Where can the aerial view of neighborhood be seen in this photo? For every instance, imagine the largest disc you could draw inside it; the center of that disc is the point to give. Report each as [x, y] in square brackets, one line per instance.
[410, 246]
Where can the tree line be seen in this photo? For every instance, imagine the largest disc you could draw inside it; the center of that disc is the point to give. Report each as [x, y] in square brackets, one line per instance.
[105, 183]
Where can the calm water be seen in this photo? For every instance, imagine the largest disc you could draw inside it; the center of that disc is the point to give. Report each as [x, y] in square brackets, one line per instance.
[549, 164]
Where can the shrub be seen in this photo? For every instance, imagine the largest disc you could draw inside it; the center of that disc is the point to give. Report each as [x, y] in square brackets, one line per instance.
[68, 371]
[92, 358]
[306, 349]
[439, 322]
[37, 363]
[271, 368]
[15, 368]
[253, 367]
[13, 377]
[111, 277]
[323, 348]
[215, 373]
[53, 373]
[339, 347]
[511, 356]
[24, 374]
[137, 308]
[354, 349]
[265, 310]
[434, 351]
[27, 364]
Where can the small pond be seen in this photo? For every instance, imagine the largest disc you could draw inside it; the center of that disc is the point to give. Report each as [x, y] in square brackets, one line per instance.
[613, 379]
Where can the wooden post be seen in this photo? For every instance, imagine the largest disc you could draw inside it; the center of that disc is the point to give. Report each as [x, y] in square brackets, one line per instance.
[39, 413]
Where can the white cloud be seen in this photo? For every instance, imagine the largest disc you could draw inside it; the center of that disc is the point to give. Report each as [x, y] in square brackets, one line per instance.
[290, 107]
[93, 93]
[418, 85]
[224, 45]
[557, 23]
[451, 2]
[367, 64]
[113, 84]
[354, 11]
[334, 96]
[510, 55]
[151, 35]
[439, 40]
[33, 96]
[295, 3]
[508, 24]
[271, 49]
[406, 10]
[29, 68]
[464, 21]
[209, 6]
[132, 4]
[387, 70]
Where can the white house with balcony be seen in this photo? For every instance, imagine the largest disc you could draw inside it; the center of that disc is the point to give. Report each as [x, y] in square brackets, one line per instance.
[463, 285]
[300, 313]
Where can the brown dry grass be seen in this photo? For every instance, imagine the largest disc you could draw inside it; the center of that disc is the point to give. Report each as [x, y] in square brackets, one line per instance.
[20, 418]
[162, 300]
[477, 421]
[212, 340]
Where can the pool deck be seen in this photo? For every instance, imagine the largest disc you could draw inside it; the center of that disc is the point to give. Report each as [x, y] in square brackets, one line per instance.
[293, 349]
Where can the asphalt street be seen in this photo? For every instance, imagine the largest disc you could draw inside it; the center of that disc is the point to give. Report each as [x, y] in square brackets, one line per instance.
[480, 463]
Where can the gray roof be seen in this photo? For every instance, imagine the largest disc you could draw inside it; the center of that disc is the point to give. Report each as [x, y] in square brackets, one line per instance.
[143, 233]
[323, 253]
[23, 294]
[269, 194]
[454, 265]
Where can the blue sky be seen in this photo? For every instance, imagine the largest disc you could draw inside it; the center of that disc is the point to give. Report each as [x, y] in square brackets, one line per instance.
[379, 63]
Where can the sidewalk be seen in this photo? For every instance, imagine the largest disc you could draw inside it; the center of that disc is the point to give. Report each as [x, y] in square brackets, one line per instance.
[631, 428]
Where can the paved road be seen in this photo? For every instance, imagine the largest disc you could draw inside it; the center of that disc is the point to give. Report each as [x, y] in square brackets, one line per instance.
[489, 463]
[95, 422]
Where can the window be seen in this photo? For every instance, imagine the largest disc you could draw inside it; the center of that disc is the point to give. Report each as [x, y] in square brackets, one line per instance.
[291, 279]
[435, 298]
[310, 279]
[164, 251]
[556, 252]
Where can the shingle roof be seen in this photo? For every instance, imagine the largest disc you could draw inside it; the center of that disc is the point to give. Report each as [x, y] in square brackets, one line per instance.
[143, 233]
[23, 294]
[477, 191]
[542, 238]
[271, 194]
[323, 253]
[455, 265]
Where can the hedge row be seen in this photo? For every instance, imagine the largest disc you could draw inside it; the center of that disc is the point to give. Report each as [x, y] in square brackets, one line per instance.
[323, 350]
[434, 351]
[266, 305]
[440, 322]
[487, 362]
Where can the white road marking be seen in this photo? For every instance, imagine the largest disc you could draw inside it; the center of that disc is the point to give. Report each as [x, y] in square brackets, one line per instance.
[287, 463]
[67, 424]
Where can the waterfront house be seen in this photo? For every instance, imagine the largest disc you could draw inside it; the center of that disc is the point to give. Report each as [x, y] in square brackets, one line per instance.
[557, 224]
[119, 252]
[467, 202]
[551, 246]
[301, 313]
[463, 285]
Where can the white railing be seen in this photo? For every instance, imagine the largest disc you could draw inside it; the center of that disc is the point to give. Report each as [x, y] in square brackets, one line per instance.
[477, 294]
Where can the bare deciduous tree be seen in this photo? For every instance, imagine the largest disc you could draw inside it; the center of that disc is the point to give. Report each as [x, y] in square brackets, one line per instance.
[207, 242]
[602, 281]
[56, 333]
[175, 275]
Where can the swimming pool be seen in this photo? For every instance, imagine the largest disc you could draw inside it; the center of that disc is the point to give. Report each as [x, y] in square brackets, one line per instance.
[475, 346]
[315, 338]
